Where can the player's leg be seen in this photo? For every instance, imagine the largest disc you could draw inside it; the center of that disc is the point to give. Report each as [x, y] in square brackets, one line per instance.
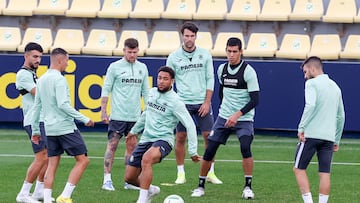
[180, 152]
[324, 154]
[50, 176]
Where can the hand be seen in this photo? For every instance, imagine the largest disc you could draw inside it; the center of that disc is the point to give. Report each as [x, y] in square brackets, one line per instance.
[90, 123]
[301, 137]
[233, 119]
[35, 139]
[204, 109]
[336, 148]
[104, 117]
[196, 158]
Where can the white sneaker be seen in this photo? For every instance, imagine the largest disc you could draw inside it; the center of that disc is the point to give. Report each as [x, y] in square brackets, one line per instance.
[20, 198]
[128, 186]
[211, 178]
[248, 193]
[198, 192]
[153, 191]
[180, 178]
[108, 186]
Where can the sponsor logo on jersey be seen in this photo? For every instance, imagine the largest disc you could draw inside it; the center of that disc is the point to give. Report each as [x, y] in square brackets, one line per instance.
[156, 107]
[131, 80]
[191, 66]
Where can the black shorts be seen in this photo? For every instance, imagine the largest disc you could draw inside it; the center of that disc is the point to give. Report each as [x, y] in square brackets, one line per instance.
[43, 141]
[72, 143]
[204, 123]
[141, 148]
[306, 150]
[122, 128]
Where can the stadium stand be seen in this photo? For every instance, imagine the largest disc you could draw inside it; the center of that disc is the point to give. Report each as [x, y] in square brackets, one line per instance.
[83, 8]
[245, 10]
[163, 43]
[261, 45]
[115, 9]
[275, 10]
[357, 17]
[10, 38]
[100, 42]
[352, 48]
[180, 9]
[340, 11]
[2, 5]
[204, 40]
[140, 35]
[220, 43]
[20, 8]
[294, 46]
[42, 36]
[72, 40]
[53, 7]
[325, 46]
[211, 10]
[147, 9]
[311, 10]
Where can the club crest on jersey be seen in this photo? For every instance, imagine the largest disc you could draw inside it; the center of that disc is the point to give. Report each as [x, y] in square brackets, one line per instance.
[201, 57]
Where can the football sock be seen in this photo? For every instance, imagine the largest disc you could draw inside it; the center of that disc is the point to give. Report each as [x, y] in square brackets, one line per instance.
[39, 187]
[307, 197]
[143, 195]
[68, 190]
[47, 195]
[107, 177]
[323, 198]
[25, 189]
[202, 181]
[248, 180]
[180, 169]
[212, 168]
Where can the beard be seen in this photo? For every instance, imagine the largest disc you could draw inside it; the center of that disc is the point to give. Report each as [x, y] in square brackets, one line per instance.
[165, 89]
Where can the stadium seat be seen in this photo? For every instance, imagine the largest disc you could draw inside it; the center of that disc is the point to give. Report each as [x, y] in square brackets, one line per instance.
[20, 8]
[311, 10]
[163, 43]
[325, 46]
[147, 9]
[179, 9]
[140, 35]
[357, 17]
[115, 9]
[42, 36]
[261, 45]
[275, 10]
[2, 5]
[204, 40]
[211, 10]
[100, 42]
[340, 11]
[220, 43]
[52, 7]
[352, 48]
[10, 38]
[72, 40]
[294, 46]
[246, 10]
[83, 8]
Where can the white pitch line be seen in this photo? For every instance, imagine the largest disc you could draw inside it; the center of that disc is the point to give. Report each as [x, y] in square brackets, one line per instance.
[172, 159]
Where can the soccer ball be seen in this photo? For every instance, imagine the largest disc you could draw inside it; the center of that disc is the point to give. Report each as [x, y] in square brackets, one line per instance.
[173, 199]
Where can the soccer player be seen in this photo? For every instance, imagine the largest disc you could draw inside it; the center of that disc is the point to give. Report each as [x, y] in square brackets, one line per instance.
[320, 128]
[53, 97]
[126, 80]
[239, 94]
[26, 84]
[194, 83]
[163, 112]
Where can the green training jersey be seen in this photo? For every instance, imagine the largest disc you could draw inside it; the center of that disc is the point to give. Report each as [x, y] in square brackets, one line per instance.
[237, 83]
[162, 114]
[323, 116]
[194, 74]
[53, 96]
[126, 82]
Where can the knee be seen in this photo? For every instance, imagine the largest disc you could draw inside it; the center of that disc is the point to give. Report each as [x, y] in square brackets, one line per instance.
[181, 138]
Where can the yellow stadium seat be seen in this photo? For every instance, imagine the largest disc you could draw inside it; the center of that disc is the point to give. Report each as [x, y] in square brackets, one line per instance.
[2, 5]
[72, 40]
[147, 9]
[83, 8]
[211, 10]
[352, 48]
[100, 42]
[261, 45]
[180, 9]
[10, 38]
[52, 7]
[20, 8]
[325, 46]
[340, 11]
[311, 10]
[294, 46]
[163, 43]
[204, 40]
[140, 35]
[275, 10]
[220, 43]
[357, 17]
[42, 36]
[115, 9]
[246, 10]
